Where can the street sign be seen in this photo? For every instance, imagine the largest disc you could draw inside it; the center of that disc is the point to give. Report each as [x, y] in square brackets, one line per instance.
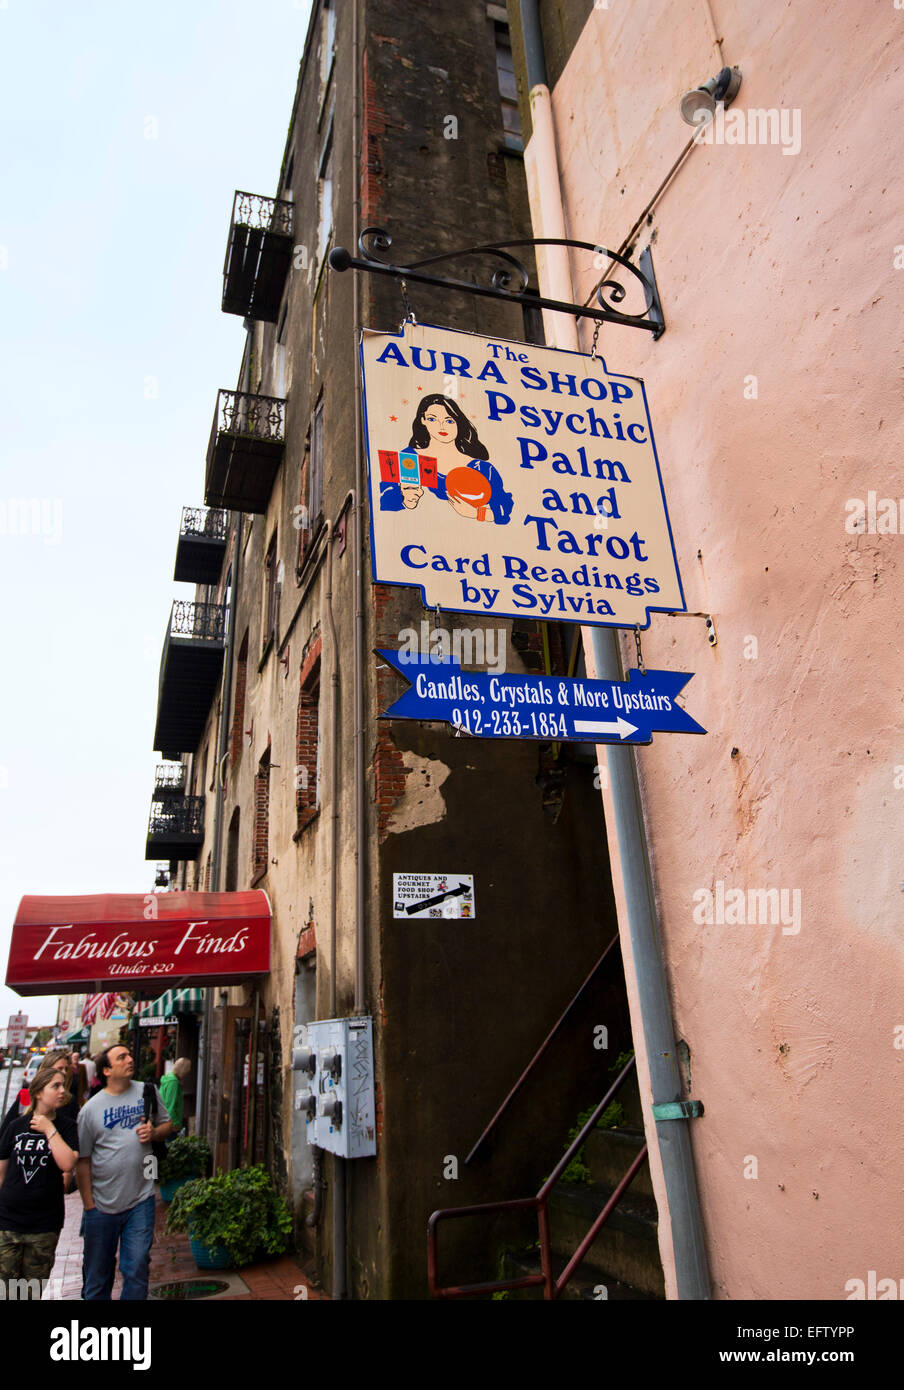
[551, 708]
[433, 895]
[511, 480]
[16, 1030]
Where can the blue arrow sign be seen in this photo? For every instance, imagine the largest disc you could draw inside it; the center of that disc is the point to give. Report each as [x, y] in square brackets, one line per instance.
[552, 708]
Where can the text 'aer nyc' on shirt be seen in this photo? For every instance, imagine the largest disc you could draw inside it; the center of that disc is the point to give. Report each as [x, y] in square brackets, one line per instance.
[31, 1198]
[120, 1179]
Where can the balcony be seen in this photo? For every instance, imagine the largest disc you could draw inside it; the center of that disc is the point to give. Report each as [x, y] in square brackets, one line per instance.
[190, 671]
[258, 256]
[202, 545]
[245, 450]
[176, 828]
[169, 780]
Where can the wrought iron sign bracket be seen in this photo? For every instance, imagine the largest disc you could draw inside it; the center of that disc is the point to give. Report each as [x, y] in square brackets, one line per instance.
[511, 280]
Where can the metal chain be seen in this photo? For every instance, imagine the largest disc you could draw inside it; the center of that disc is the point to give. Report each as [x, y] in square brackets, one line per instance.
[643, 669]
[596, 334]
[406, 305]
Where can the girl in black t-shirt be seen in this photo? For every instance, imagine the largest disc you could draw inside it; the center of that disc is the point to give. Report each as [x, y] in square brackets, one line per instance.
[35, 1151]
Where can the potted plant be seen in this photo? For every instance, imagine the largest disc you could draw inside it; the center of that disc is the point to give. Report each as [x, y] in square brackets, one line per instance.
[186, 1158]
[231, 1218]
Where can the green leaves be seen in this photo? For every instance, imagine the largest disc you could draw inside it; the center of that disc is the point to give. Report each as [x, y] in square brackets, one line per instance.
[187, 1157]
[240, 1211]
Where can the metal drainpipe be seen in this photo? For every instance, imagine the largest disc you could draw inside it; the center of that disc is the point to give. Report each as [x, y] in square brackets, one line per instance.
[357, 540]
[222, 748]
[339, 1253]
[691, 1268]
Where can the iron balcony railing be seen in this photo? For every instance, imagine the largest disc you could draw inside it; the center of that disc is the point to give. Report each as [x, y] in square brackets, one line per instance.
[204, 622]
[266, 214]
[246, 416]
[207, 523]
[182, 816]
[169, 777]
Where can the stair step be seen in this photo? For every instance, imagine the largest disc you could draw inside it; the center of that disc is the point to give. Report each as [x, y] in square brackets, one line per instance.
[583, 1285]
[627, 1248]
[609, 1154]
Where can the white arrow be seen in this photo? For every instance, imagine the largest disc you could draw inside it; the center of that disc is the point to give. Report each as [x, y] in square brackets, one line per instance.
[621, 727]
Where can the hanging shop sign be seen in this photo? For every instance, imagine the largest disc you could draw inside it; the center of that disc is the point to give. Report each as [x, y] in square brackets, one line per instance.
[542, 707]
[512, 480]
[433, 895]
[130, 941]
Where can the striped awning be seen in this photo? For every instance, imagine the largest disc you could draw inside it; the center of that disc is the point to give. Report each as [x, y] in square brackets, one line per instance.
[174, 1001]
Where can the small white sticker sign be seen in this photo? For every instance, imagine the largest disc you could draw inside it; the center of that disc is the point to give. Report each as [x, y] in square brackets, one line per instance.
[433, 895]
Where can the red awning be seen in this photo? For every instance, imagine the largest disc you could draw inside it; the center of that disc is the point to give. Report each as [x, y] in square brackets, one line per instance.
[133, 941]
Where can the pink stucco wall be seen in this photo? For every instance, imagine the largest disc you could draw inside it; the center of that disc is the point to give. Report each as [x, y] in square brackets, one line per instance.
[779, 267]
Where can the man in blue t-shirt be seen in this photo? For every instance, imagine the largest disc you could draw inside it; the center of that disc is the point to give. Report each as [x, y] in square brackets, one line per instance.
[116, 1179]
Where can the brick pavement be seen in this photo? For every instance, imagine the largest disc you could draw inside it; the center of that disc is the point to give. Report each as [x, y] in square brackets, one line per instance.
[171, 1258]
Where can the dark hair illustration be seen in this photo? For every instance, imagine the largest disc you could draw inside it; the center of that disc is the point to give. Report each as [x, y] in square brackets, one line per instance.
[466, 441]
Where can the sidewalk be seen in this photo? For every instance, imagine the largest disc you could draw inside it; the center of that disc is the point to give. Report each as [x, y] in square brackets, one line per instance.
[171, 1259]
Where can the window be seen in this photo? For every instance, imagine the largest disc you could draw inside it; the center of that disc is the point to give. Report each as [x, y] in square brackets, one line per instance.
[271, 568]
[508, 91]
[327, 47]
[307, 752]
[238, 712]
[315, 476]
[325, 196]
[261, 847]
[232, 854]
[309, 513]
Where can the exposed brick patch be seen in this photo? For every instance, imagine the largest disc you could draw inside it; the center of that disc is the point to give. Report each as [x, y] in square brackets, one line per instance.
[307, 735]
[307, 941]
[375, 123]
[261, 841]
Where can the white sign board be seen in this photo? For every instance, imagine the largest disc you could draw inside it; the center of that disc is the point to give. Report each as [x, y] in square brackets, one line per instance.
[433, 895]
[513, 480]
[18, 1027]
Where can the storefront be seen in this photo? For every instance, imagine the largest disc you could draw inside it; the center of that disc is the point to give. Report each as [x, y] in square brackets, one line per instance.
[166, 1028]
[187, 942]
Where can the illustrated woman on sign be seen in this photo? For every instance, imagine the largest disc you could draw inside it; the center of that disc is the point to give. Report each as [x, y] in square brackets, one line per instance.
[462, 474]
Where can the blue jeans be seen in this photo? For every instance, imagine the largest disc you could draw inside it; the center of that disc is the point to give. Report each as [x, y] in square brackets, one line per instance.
[133, 1232]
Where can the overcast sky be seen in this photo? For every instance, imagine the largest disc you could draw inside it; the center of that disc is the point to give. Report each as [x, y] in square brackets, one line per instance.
[124, 131]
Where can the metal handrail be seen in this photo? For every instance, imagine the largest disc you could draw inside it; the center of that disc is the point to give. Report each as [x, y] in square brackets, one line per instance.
[539, 1053]
[551, 1287]
[267, 214]
[201, 621]
[204, 523]
[177, 816]
[170, 777]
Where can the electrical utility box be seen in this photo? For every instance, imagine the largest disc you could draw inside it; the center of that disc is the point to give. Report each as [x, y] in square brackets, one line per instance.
[334, 1086]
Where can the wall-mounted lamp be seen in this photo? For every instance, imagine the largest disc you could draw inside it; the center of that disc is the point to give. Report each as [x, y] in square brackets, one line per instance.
[721, 88]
